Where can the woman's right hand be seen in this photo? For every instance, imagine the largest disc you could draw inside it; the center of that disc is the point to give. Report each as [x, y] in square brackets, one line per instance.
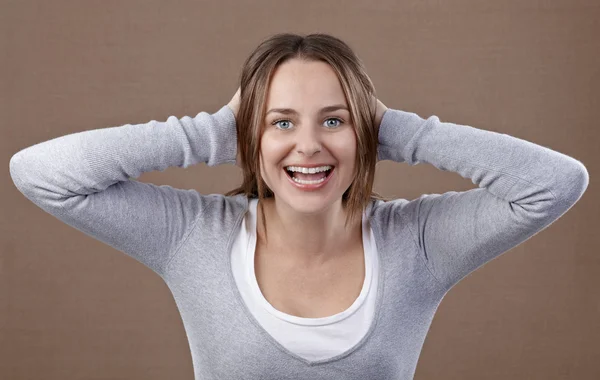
[234, 104]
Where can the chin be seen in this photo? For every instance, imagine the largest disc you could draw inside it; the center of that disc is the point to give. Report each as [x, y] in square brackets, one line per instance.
[311, 207]
[309, 203]
[308, 200]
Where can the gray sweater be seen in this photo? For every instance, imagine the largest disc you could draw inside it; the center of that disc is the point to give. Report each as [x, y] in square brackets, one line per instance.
[426, 245]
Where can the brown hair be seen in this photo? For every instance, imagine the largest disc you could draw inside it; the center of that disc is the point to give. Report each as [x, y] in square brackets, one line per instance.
[358, 90]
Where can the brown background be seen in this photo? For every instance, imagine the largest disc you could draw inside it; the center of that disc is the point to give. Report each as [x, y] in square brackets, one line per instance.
[74, 308]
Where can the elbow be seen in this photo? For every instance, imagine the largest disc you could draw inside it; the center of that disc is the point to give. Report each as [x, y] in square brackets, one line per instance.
[580, 181]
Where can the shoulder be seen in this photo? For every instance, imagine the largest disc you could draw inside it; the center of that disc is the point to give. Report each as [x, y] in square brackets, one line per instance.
[225, 206]
[219, 212]
[388, 211]
[392, 215]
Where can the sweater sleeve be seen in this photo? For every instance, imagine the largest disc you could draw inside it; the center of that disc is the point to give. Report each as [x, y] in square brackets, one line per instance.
[522, 189]
[85, 179]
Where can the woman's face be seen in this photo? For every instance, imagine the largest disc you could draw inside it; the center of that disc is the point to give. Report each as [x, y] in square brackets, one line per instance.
[307, 136]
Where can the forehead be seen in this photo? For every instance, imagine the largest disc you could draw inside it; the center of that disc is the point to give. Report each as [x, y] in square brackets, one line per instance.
[304, 86]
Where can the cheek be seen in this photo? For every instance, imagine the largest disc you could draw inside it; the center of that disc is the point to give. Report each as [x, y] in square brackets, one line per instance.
[344, 148]
[272, 153]
[264, 174]
[275, 149]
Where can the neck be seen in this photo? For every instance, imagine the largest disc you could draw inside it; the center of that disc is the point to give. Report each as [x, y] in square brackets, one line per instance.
[308, 238]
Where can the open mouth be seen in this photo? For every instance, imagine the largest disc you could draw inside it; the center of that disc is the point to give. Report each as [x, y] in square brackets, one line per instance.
[291, 174]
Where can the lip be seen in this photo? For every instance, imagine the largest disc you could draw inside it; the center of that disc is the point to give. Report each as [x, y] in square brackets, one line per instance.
[310, 187]
[309, 165]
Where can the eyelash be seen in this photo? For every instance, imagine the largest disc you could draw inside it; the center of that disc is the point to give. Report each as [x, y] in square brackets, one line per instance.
[284, 129]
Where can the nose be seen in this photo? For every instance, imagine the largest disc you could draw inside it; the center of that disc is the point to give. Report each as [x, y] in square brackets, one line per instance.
[308, 141]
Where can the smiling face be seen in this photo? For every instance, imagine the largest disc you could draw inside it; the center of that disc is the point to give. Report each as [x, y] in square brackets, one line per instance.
[308, 137]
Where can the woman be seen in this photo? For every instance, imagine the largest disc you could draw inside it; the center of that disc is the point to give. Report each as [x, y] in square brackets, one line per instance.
[334, 282]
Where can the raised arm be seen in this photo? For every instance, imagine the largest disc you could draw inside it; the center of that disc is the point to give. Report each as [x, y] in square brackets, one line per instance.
[84, 180]
[523, 188]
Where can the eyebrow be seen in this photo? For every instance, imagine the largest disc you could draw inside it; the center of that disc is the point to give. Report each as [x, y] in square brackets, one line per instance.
[290, 111]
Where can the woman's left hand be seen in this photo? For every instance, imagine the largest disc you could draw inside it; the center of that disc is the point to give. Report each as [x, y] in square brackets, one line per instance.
[380, 108]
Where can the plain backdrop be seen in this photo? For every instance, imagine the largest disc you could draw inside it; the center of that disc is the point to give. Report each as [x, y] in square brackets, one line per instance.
[74, 308]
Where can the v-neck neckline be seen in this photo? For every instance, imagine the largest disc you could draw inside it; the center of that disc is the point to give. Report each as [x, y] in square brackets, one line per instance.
[265, 333]
[303, 321]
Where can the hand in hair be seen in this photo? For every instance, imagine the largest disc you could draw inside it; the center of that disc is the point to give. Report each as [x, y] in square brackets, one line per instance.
[234, 104]
[380, 108]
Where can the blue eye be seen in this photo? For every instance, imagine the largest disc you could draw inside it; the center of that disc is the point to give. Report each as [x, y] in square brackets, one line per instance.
[286, 120]
[335, 118]
[279, 121]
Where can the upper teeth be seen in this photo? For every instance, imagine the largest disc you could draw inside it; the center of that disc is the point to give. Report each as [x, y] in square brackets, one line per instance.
[308, 170]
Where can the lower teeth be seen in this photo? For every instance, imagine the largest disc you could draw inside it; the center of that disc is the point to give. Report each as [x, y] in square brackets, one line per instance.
[306, 182]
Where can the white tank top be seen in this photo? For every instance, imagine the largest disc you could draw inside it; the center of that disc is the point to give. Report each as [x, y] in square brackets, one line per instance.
[310, 338]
